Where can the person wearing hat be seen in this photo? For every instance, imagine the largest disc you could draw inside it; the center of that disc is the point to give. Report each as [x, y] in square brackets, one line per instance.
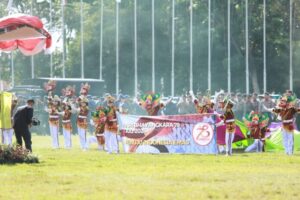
[7, 133]
[287, 110]
[84, 90]
[53, 110]
[152, 103]
[82, 124]
[228, 118]
[67, 124]
[99, 120]
[68, 93]
[22, 122]
[111, 126]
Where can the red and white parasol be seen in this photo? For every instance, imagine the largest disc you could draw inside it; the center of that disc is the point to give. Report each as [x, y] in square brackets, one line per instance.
[23, 32]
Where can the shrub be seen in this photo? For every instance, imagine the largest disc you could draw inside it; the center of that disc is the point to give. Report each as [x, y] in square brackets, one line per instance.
[16, 154]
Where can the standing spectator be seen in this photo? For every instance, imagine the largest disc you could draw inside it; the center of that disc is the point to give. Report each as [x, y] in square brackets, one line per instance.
[182, 105]
[199, 96]
[247, 105]
[239, 106]
[255, 102]
[123, 105]
[267, 104]
[190, 105]
[22, 123]
[170, 108]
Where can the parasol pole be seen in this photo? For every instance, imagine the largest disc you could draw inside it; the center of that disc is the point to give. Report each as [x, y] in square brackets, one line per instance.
[12, 69]
[32, 57]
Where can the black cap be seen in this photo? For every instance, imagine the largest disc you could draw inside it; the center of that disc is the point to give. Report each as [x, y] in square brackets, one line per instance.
[30, 100]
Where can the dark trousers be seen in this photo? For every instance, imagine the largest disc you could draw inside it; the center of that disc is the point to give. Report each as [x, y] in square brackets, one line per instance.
[26, 135]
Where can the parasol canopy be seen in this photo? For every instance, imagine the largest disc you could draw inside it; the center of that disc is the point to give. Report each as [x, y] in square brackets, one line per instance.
[23, 32]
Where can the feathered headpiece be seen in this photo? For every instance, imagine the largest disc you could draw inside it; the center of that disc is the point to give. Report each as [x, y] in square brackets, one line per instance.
[227, 102]
[68, 91]
[110, 99]
[292, 101]
[255, 118]
[150, 99]
[206, 99]
[84, 100]
[100, 112]
[56, 98]
[287, 101]
[50, 86]
[85, 88]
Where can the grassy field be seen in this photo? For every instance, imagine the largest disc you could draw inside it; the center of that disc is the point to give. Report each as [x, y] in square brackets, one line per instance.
[74, 174]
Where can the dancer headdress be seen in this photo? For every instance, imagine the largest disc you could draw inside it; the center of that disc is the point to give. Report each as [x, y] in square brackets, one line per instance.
[85, 88]
[68, 91]
[50, 86]
[256, 119]
[150, 100]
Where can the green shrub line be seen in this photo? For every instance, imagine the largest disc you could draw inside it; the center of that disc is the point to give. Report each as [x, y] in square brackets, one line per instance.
[16, 154]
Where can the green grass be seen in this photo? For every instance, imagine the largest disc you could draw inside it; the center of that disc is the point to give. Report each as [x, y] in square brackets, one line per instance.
[74, 174]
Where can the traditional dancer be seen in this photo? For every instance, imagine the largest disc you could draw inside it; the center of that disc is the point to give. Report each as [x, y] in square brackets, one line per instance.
[54, 110]
[99, 120]
[257, 124]
[49, 88]
[111, 126]
[84, 90]
[287, 109]
[68, 93]
[82, 124]
[67, 124]
[8, 132]
[228, 118]
[151, 103]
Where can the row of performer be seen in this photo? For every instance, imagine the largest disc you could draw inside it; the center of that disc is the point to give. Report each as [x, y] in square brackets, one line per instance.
[104, 118]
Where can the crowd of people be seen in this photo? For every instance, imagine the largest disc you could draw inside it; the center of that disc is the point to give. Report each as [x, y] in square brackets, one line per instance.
[98, 115]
